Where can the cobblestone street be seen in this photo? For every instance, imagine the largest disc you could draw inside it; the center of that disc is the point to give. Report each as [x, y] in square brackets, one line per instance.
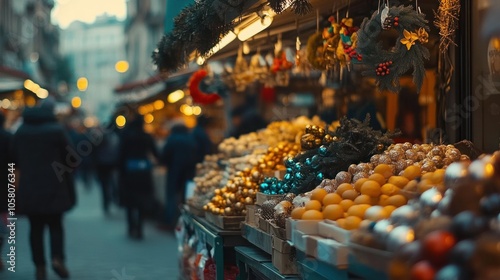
[97, 247]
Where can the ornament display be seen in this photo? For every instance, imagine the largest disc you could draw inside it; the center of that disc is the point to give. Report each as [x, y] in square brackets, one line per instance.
[239, 191]
[346, 49]
[209, 176]
[352, 142]
[409, 52]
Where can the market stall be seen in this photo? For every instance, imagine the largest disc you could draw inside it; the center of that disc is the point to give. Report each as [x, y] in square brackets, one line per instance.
[345, 198]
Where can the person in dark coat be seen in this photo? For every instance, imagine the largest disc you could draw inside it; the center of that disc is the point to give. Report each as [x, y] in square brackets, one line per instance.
[136, 174]
[203, 142]
[106, 159]
[179, 155]
[41, 150]
[5, 160]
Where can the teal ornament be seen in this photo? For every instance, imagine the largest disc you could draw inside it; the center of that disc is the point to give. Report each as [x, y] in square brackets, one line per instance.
[323, 151]
[287, 176]
[299, 176]
[315, 160]
[264, 186]
[298, 165]
[320, 176]
[289, 170]
[308, 161]
[289, 162]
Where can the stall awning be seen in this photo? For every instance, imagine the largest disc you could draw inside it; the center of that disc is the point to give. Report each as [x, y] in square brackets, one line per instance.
[139, 91]
[11, 79]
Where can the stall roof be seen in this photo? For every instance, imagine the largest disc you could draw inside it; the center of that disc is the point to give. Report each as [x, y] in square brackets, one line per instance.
[11, 79]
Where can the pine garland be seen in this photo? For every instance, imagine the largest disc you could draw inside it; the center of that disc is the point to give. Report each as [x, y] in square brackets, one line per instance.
[408, 52]
[201, 25]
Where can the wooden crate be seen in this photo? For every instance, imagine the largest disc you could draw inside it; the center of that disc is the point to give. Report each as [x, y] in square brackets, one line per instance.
[277, 231]
[196, 211]
[225, 222]
[262, 197]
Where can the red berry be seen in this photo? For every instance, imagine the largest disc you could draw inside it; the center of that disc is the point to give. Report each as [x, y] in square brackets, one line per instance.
[396, 18]
[384, 67]
[383, 74]
[390, 62]
[388, 71]
[396, 24]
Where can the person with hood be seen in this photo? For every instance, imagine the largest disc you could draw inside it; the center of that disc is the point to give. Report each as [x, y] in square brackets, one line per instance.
[179, 156]
[41, 151]
[5, 140]
[136, 173]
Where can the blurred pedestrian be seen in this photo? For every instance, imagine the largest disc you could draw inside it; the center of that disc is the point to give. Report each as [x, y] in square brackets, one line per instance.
[136, 173]
[5, 140]
[78, 134]
[179, 155]
[245, 119]
[204, 145]
[106, 160]
[46, 187]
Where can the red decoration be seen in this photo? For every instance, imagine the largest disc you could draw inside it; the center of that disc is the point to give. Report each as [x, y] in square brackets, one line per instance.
[280, 63]
[437, 246]
[268, 94]
[194, 88]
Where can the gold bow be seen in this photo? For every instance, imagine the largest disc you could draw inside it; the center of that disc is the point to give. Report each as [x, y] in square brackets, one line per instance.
[423, 36]
[409, 39]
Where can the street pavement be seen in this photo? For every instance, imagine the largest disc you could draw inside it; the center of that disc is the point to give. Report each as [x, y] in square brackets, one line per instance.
[98, 248]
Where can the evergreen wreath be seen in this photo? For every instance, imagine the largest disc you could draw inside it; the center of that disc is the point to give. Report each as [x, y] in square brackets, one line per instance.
[387, 66]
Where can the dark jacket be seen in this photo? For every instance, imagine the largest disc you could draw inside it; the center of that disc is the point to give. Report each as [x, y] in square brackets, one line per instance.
[40, 148]
[136, 181]
[204, 145]
[5, 140]
[179, 155]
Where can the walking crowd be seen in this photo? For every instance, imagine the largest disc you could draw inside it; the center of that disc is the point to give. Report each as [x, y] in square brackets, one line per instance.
[50, 155]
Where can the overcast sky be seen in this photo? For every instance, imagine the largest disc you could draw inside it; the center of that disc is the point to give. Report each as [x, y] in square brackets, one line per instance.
[67, 11]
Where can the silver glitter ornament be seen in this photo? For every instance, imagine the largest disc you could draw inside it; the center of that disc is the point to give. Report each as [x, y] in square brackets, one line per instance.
[374, 159]
[400, 165]
[438, 161]
[352, 168]
[399, 236]
[428, 166]
[481, 170]
[396, 154]
[429, 200]
[407, 146]
[343, 177]
[385, 159]
[363, 167]
[359, 175]
[455, 172]
[445, 202]
[453, 154]
[382, 228]
[411, 154]
[404, 215]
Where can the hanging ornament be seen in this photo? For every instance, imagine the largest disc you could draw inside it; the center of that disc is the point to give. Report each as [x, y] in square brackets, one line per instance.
[258, 66]
[346, 49]
[280, 68]
[194, 89]
[241, 74]
[408, 52]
